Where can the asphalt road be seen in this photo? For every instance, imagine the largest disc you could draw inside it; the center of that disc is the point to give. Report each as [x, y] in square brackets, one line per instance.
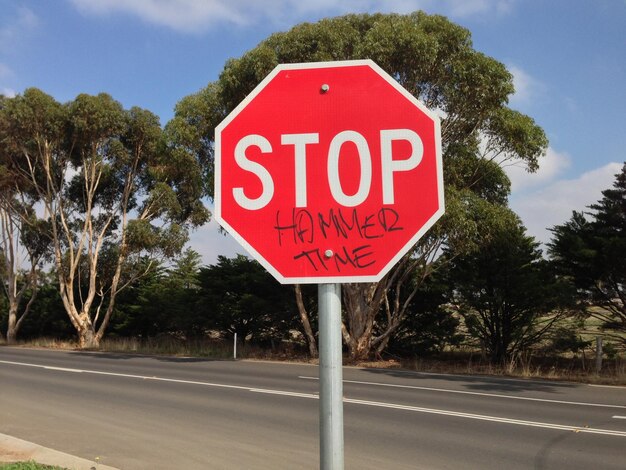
[171, 413]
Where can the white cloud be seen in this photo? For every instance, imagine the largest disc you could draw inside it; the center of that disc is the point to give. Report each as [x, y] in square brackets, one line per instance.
[16, 26]
[553, 204]
[180, 15]
[199, 15]
[527, 88]
[460, 8]
[6, 72]
[550, 166]
[210, 243]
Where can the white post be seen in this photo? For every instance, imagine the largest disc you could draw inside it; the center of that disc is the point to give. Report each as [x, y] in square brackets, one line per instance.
[331, 377]
[235, 347]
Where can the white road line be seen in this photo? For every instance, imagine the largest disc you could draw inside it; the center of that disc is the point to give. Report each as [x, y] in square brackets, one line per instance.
[519, 422]
[281, 392]
[619, 417]
[63, 369]
[606, 386]
[465, 392]
[458, 414]
[128, 376]
[562, 427]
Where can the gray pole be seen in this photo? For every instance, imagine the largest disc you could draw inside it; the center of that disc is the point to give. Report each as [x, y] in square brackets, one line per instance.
[598, 354]
[331, 385]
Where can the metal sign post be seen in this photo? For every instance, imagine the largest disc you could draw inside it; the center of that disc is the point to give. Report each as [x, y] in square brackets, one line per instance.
[331, 377]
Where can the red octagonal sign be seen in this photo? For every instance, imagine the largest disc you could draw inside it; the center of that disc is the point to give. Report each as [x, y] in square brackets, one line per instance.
[328, 172]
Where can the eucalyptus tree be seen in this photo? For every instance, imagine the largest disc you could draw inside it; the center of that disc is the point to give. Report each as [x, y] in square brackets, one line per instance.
[23, 248]
[110, 188]
[23, 242]
[434, 60]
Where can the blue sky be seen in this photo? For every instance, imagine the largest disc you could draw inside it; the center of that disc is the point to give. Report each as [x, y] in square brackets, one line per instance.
[568, 58]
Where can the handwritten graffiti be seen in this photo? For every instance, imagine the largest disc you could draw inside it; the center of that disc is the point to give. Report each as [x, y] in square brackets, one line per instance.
[311, 233]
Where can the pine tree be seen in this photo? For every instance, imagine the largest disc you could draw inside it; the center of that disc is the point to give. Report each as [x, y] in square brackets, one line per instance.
[590, 249]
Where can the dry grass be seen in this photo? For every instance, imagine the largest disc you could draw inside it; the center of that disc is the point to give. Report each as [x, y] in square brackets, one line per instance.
[166, 346]
[470, 363]
[49, 343]
[173, 346]
[566, 369]
[169, 346]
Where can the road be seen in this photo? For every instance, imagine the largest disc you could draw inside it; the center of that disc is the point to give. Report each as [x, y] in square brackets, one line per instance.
[137, 412]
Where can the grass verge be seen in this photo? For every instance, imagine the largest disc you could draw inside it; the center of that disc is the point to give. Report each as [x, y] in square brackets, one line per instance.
[571, 369]
[27, 466]
[547, 368]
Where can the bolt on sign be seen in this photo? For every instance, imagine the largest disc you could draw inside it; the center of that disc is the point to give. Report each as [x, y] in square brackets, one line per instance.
[328, 172]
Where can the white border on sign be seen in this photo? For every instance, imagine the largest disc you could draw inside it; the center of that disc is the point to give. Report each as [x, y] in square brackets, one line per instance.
[327, 279]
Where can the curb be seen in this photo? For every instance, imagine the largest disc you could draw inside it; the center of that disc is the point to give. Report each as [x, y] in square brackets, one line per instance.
[13, 449]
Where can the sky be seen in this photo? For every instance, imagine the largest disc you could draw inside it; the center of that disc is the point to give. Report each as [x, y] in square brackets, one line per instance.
[567, 57]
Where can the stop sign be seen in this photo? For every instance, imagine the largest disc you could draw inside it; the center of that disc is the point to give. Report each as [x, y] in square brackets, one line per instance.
[328, 172]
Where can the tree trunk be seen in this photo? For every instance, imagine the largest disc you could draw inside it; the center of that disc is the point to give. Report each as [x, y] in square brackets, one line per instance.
[360, 349]
[12, 326]
[361, 304]
[382, 344]
[87, 338]
[306, 324]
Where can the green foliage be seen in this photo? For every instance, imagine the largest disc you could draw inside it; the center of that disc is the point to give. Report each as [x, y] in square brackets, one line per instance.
[430, 56]
[186, 268]
[507, 294]
[237, 295]
[94, 125]
[433, 59]
[590, 249]
[114, 190]
[162, 302]
[122, 154]
[143, 309]
[147, 183]
[428, 327]
[30, 465]
[35, 235]
[47, 317]
[567, 340]
[610, 350]
[190, 134]
[469, 222]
